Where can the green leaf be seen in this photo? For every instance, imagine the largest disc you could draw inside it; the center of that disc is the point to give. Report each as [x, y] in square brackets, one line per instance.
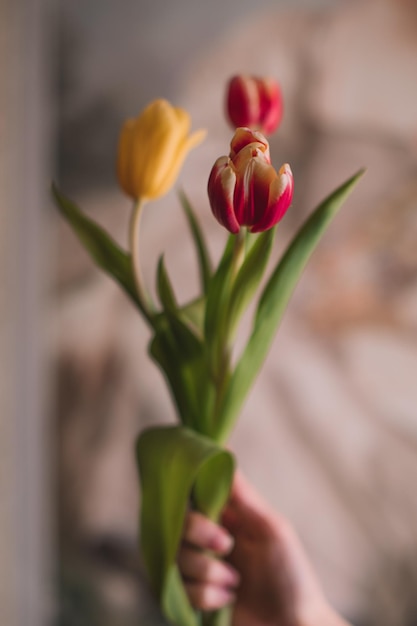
[204, 262]
[175, 465]
[105, 252]
[194, 312]
[274, 301]
[249, 277]
[184, 328]
[218, 291]
[188, 346]
[165, 290]
[162, 350]
[181, 356]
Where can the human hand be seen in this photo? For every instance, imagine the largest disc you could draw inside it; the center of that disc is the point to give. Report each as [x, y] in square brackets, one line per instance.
[267, 574]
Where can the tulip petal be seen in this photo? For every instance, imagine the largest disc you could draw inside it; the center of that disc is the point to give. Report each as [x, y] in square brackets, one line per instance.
[270, 104]
[183, 120]
[244, 137]
[221, 187]
[158, 133]
[177, 162]
[252, 191]
[241, 191]
[226, 213]
[242, 101]
[176, 146]
[280, 198]
[263, 177]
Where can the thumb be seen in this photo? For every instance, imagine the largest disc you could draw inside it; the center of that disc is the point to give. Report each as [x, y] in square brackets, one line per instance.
[246, 508]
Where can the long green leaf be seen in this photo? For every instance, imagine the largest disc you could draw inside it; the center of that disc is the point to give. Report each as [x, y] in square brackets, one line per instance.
[181, 323]
[203, 256]
[164, 286]
[218, 292]
[194, 312]
[217, 306]
[105, 252]
[180, 353]
[249, 277]
[274, 301]
[176, 464]
[163, 352]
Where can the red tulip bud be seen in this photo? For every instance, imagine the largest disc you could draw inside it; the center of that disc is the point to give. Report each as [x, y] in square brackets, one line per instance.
[255, 103]
[245, 190]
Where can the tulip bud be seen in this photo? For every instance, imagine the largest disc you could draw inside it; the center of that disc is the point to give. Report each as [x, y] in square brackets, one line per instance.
[255, 103]
[152, 149]
[245, 190]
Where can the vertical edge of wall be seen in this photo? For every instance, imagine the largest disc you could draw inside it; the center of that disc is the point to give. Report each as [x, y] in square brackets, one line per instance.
[26, 566]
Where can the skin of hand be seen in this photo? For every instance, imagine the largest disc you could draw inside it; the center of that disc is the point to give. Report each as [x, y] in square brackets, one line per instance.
[255, 560]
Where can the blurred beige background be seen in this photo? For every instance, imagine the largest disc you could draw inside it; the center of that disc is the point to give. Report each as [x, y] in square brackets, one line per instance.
[329, 433]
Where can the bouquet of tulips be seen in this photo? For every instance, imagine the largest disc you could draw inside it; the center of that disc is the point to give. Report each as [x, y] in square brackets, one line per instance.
[186, 465]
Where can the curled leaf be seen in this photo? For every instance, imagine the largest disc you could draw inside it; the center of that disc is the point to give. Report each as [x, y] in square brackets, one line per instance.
[176, 464]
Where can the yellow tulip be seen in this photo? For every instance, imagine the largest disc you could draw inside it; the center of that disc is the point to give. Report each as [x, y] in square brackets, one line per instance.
[152, 149]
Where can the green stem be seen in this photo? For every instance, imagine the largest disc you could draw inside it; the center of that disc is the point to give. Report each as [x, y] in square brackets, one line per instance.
[143, 297]
[221, 386]
[238, 253]
[224, 344]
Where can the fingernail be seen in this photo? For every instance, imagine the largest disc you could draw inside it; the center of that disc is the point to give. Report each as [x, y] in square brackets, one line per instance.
[223, 542]
[228, 597]
[233, 577]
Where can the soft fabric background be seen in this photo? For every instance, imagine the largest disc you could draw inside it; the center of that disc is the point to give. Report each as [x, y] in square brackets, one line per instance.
[329, 433]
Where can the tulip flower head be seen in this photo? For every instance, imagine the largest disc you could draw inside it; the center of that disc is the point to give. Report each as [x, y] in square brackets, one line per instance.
[245, 190]
[152, 149]
[255, 103]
